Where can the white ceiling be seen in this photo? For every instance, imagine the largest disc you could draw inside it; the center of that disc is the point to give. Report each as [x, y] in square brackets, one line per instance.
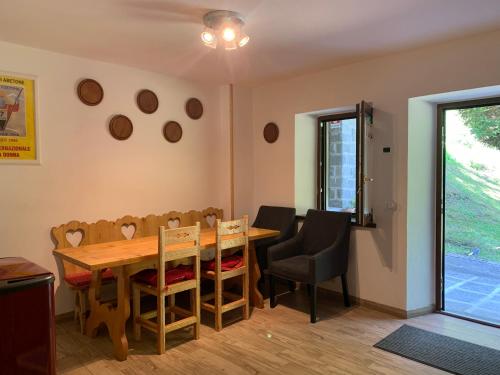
[287, 36]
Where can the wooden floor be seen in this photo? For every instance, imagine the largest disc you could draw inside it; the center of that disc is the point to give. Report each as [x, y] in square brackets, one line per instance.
[278, 341]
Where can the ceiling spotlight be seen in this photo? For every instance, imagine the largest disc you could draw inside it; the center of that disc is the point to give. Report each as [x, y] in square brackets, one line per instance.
[209, 39]
[228, 34]
[207, 36]
[244, 39]
[223, 27]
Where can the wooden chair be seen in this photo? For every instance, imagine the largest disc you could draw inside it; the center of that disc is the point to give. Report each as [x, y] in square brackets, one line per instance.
[230, 235]
[173, 245]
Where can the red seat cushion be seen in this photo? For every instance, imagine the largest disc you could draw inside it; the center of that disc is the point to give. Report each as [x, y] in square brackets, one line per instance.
[227, 263]
[172, 276]
[82, 279]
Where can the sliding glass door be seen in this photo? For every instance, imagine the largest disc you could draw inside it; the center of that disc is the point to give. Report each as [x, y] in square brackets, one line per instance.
[468, 210]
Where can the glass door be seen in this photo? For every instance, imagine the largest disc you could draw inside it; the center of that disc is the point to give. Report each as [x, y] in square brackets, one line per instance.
[468, 214]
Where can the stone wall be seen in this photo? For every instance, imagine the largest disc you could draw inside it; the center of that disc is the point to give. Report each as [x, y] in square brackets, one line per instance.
[342, 164]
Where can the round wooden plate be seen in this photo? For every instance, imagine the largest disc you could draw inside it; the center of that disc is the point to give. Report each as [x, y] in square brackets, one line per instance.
[194, 108]
[90, 91]
[147, 101]
[120, 127]
[271, 132]
[172, 131]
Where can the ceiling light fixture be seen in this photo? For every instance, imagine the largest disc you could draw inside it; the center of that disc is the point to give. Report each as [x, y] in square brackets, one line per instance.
[223, 27]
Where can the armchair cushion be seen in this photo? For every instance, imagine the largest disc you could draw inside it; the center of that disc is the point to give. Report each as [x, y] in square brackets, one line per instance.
[294, 268]
[285, 249]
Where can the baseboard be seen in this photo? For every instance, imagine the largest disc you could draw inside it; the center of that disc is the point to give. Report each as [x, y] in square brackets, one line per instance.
[399, 313]
[421, 311]
[65, 316]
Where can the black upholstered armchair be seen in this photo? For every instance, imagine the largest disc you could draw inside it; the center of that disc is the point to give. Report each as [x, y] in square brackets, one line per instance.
[277, 218]
[317, 253]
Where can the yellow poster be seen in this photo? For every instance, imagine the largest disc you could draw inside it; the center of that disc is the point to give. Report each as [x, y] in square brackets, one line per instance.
[17, 118]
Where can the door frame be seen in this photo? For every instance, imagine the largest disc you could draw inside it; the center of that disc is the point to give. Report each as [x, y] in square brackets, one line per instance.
[440, 192]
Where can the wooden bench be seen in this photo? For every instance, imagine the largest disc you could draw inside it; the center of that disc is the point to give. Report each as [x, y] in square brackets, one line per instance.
[76, 233]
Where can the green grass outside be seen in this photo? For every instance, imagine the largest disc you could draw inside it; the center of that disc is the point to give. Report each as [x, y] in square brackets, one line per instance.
[472, 217]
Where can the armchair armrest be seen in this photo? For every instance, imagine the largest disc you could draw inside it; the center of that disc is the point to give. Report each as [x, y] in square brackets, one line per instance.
[284, 249]
[331, 261]
[267, 242]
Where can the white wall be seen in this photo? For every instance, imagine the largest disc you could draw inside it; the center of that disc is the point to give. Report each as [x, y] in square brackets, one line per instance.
[87, 175]
[420, 223]
[306, 140]
[378, 268]
[243, 152]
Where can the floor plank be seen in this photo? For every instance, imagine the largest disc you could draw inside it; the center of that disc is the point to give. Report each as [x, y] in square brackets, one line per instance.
[272, 341]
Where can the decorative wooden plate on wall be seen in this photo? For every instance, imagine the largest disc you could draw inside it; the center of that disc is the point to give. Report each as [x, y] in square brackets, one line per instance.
[194, 108]
[271, 132]
[172, 131]
[90, 91]
[120, 127]
[147, 101]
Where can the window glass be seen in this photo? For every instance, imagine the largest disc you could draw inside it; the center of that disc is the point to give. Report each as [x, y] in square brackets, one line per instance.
[340, 174]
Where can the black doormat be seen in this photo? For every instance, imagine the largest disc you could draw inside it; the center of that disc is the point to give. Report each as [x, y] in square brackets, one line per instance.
[442, 352]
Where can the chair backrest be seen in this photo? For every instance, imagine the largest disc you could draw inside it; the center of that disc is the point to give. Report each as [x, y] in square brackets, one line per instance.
[277, 218]
[232, 233]
[322, 228]
[174, 242]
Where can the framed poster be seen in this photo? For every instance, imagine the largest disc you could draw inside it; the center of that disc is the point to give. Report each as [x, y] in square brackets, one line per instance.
[18, 135]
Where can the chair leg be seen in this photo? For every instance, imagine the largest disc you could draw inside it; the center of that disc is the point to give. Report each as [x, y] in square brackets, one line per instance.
[313, 302]
[218, 304]
[160, 319]
[246, 297]
[291, 286]
[246, 285]
[171, 304]
[136, 301]
[196, 306]
[272, 291]
[195, 302]
[308, 290]
[345, 292]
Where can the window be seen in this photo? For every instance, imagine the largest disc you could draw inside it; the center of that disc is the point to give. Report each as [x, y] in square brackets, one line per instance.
[342, 164]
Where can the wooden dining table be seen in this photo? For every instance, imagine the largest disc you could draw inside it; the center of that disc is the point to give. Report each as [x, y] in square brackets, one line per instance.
[128, 257]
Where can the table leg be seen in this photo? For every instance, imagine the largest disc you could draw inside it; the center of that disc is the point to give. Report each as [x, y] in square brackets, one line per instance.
[114, 317]
[256, 298]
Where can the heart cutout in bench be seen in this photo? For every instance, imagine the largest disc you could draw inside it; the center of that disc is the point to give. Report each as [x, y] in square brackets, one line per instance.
[128, 231]
[210, 219]
[174, 223]
[74, 237]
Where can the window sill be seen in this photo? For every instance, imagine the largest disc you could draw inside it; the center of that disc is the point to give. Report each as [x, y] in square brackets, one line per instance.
[354, 225]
